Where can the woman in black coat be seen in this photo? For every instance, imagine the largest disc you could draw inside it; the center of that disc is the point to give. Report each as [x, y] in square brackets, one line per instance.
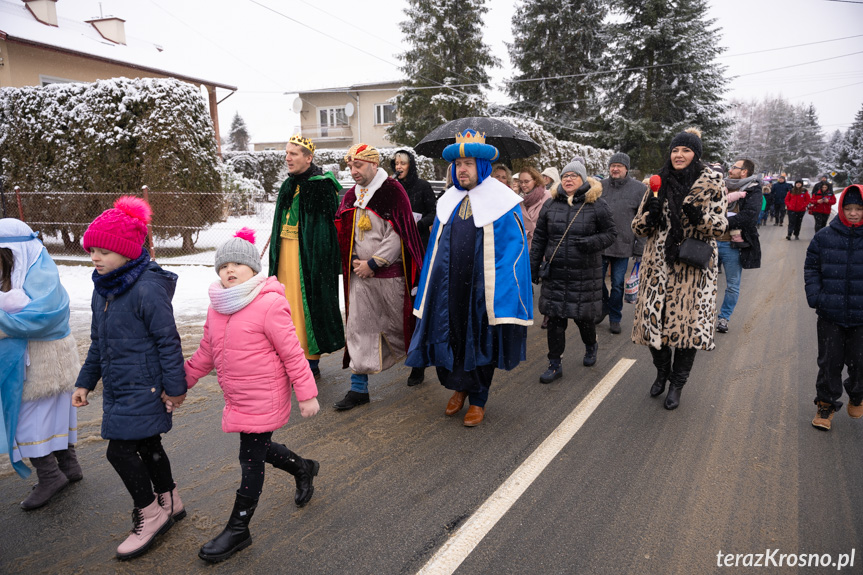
[423, 202]
[419, 191]
[572, 289]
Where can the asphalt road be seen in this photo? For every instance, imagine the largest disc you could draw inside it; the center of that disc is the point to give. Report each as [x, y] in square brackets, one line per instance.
[737, 468]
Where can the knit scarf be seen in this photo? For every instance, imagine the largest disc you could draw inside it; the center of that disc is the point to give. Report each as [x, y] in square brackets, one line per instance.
[535, 195]
[121, 279]
[675, 187]
[739, 184]
[228, 301]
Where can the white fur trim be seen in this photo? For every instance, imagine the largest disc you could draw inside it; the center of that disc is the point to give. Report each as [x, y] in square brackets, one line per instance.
[374, 185]
[488, 202]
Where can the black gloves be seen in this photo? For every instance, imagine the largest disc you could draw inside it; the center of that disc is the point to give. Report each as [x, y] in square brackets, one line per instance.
[693, 213]
[653, 207]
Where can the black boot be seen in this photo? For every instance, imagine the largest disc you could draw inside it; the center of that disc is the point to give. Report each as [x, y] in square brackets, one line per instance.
[303, 470]
[662, 361]
[554, 371]
[417, 376]
[683, 360]
[590, 354]
[236, 535]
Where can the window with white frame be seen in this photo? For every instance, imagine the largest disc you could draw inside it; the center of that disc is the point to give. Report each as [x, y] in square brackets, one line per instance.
[385, 113]
[332, 120]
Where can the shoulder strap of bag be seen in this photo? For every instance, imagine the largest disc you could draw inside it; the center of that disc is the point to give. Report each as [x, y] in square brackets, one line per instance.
[566, 231]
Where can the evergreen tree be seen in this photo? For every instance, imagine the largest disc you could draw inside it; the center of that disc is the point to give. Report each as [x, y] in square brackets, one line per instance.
[446, 49]
[239, 136]
[835, 154]
[808, 147]
[554, 38]
[852, 160]
[672, 81]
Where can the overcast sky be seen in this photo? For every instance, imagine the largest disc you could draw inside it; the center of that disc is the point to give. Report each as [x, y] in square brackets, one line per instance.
[269, 47]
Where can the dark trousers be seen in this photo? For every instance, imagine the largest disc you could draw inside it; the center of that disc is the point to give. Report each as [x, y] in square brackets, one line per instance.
[257, 449]
[837, 347]
[820, 220]
[556, 334]
[794, 221]
[143, 466]
[779, 213]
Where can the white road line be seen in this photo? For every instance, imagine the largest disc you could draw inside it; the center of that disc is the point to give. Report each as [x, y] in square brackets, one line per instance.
[462, 543]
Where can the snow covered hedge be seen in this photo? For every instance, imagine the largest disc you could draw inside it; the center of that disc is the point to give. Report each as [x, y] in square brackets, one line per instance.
[95, 142]
[267, 167]
[558, 153]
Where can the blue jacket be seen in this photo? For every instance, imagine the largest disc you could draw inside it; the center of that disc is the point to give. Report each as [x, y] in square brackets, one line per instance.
[135, 349]
[834, 272]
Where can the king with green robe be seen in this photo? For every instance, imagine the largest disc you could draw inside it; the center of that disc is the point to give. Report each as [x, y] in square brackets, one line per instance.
[304, 251]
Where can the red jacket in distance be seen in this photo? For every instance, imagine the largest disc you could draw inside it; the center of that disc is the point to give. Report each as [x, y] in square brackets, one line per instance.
[824, 208]
[797, 202]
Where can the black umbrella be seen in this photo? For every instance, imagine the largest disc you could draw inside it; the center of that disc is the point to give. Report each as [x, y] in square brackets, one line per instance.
[509, 140]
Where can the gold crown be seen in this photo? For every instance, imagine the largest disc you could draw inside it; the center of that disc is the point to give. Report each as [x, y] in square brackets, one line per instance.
[303, 142]
[475, 138]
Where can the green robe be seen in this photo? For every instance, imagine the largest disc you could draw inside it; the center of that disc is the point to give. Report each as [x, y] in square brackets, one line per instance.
[320, 263]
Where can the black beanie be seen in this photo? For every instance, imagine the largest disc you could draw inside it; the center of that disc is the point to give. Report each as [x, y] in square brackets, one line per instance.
[691, 138]
[852, 196]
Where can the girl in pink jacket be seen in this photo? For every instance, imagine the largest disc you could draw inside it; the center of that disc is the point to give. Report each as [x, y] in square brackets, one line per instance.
[249, 338]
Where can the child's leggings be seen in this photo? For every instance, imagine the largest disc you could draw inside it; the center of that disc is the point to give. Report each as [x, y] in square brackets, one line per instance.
[143, 466]
[257, 449]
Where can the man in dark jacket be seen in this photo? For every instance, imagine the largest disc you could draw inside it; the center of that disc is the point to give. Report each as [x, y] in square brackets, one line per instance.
[743, 216]
[778, 192]
[623, 195]
[423, 202]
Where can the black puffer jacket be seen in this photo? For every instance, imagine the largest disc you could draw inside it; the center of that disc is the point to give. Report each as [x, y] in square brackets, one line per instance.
[420, 194]
[574, 286]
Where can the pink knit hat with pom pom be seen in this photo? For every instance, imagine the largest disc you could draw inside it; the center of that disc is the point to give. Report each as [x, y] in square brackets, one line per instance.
[122, 229]
[241, 250]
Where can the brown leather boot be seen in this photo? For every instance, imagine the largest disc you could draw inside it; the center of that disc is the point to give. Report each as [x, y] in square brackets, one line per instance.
[823, 416]
[474, 416]
[456, 402]
[855, 410]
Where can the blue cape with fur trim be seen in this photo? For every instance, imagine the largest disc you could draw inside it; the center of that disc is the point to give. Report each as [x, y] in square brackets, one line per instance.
[501, 297]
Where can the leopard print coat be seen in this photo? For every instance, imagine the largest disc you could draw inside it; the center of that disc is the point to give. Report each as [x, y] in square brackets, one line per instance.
[677, 304]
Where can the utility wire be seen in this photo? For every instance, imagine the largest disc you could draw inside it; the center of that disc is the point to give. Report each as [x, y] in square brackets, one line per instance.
[789, 47]
[827, 90]
[800, 64]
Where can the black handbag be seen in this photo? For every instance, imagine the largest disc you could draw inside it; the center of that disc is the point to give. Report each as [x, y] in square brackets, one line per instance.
[695, 253]
[544, 270]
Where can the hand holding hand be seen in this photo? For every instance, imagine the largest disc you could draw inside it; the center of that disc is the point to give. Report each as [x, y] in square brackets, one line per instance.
[309, 407]
[174, 401]
[79, 397]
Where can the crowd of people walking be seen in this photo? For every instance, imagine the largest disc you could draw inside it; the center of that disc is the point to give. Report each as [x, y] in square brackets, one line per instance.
[444, 284]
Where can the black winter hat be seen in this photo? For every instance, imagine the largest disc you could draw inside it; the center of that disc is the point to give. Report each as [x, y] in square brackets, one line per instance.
[852, 197]
[691, 138]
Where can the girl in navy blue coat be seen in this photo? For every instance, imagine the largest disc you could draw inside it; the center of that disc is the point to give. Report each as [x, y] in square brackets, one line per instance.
[135, 350]
[834, 287]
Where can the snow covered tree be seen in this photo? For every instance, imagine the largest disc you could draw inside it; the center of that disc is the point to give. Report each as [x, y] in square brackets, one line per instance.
[446, 49]
[554, 38]
[807, 148]
[835, 154]
[668, 49]
[852, 160]
[239, 135]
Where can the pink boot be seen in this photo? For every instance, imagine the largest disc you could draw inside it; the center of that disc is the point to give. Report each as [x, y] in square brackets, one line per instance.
[170, 502]
[149, 522]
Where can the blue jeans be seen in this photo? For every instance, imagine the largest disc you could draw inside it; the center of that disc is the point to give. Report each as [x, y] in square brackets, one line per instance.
[729, 258]
[360, 382]
[613, 302]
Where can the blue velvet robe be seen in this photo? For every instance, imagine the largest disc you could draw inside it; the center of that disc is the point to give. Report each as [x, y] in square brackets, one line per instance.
[498, 300]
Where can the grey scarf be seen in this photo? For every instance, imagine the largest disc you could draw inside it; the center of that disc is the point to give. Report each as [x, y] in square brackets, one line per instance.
[733, 184]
